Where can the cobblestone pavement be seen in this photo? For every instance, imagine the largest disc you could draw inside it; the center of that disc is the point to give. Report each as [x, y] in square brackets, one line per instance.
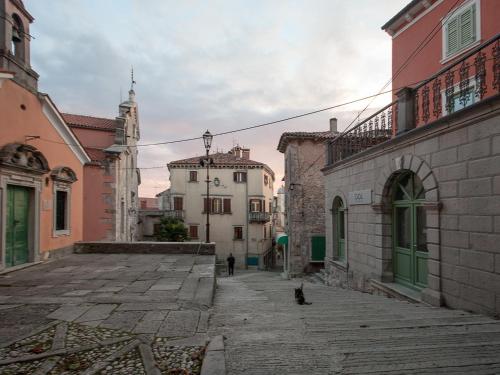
[345, 332]
[106, 314]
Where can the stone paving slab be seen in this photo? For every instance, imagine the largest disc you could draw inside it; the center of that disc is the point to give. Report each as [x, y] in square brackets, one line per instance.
[344, 332]
[132, 293]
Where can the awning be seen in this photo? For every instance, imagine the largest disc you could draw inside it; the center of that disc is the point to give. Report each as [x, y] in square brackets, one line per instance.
[282, 239]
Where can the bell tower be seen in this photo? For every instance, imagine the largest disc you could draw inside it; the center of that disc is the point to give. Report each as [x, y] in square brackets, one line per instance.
[15, 41]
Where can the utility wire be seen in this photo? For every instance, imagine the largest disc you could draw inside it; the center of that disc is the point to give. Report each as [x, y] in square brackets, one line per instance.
[419, 48]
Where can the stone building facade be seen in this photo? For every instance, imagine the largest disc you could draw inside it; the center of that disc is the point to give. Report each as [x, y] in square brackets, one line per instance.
[304, 154]
[240, 203]
[112, 178]
[412, 194]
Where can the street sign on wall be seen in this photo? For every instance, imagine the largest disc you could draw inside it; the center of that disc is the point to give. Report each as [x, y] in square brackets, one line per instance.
[360, 197]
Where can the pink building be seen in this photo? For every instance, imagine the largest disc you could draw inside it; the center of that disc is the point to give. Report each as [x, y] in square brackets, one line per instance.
[112, 177]
[41, 161]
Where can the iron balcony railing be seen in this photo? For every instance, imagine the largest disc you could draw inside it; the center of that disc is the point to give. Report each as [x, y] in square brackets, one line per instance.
[372, 131]
[174, 214]
[259, 217]
[473, 78]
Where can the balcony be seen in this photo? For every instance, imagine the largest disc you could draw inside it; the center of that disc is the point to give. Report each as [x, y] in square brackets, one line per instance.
[259, 217]
[468, 81]
[173, 214]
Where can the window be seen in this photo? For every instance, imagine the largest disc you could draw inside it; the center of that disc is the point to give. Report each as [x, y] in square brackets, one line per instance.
[193, 176]
[61, 210]
[265, 232]
[227, 205]
[193, 231]
[460, 30]
[178, 203]
[266, 179]
[240, 176]
[255, 205]
[238, 233]
[216, 205]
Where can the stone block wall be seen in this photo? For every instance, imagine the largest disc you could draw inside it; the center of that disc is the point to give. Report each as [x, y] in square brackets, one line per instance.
[200, 248]
[458, 160]
[305, 209]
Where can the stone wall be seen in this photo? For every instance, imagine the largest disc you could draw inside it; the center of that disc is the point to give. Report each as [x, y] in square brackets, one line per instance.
[305, 209]
[458, 160]
[145, 248]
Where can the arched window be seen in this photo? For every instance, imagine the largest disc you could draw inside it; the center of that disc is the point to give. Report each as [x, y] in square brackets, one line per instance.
[409, 228]
[17, 41]
[338, 213]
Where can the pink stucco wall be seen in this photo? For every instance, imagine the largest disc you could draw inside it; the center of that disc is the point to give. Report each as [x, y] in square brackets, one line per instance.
[99, 205]
[15, 125]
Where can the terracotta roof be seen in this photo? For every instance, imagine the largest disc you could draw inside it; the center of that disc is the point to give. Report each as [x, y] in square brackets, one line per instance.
[221, 159]
[96, 154]
[91, 122]
[315, 136]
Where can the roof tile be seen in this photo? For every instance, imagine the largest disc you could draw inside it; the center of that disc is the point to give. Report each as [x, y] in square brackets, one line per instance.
[82, 121]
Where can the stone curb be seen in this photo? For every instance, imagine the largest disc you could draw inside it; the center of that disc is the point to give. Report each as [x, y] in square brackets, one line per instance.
[214, 362]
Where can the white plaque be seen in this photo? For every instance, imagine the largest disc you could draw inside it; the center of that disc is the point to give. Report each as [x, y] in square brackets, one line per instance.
[360, 197]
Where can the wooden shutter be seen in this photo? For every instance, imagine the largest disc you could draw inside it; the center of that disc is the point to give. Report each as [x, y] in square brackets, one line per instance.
[243, 176]
[193, 231]
[205, 205]
[235, 176]
[452, 36]
[262, 206]
[467, 27]
[227, 205]
[178, 203]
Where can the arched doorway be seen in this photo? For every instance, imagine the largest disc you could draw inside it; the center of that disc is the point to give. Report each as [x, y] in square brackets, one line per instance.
[409, 231]
[338, 212]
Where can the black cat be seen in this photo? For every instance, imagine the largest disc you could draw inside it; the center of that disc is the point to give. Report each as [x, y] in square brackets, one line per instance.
[299, 296]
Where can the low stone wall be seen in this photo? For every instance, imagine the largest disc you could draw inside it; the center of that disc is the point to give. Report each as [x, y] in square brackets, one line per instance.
[145, 248]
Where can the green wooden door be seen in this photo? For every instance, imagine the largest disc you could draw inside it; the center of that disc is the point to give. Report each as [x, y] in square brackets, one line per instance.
[409, 233]
[341, 233]
[17, 251]
[318, 249]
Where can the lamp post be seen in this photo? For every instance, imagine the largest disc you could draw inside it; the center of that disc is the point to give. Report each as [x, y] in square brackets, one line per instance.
[207, 140]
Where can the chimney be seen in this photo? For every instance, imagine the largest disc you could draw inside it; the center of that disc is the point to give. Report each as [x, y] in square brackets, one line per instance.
[246, 153]
[333, 125]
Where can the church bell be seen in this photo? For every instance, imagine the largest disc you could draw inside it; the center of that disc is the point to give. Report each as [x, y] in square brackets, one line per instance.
[15, 35]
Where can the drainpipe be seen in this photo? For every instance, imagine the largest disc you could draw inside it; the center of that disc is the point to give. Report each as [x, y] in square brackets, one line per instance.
[246, 216]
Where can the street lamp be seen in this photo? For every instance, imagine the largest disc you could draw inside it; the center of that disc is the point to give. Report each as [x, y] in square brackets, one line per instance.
[207, 140]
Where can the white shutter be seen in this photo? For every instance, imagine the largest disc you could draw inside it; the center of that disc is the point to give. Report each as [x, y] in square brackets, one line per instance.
[467, 27]
[452, 36]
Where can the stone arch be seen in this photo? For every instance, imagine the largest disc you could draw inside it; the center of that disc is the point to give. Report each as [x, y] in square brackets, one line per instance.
[24, 157]
[383, 193]
[401, 164]
[63, 174]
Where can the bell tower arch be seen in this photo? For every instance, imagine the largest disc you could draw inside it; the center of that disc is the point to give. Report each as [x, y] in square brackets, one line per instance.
[15, 41]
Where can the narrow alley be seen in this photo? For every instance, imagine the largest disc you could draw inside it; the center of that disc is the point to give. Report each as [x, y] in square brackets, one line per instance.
[344, 332]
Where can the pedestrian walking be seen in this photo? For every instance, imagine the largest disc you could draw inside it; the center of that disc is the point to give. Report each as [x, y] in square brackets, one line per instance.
[230, 264]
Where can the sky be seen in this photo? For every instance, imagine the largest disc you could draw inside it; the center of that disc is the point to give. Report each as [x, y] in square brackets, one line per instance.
[216, 65]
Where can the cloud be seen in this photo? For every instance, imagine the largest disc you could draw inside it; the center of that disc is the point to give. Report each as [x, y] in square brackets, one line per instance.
[215, 65]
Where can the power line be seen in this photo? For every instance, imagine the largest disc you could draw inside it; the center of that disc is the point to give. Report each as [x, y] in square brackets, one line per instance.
[419, 48]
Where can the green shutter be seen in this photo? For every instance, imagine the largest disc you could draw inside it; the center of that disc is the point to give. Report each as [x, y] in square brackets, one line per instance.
[452, 36]
[467, 27]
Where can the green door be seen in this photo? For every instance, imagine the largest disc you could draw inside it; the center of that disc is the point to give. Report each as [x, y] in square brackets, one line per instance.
[410, 242]
[341, 233]
[318, 249]
[17, 251]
